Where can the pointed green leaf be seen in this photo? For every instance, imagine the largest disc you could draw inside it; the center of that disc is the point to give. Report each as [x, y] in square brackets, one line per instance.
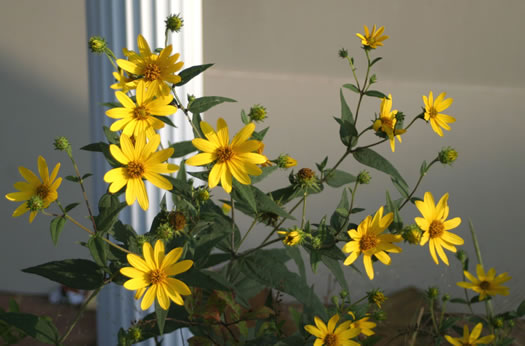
[165, 120]
[400, 187]
[202, 104]
[161, 315]
[75, 273]
[295, 254]
[374, 61]
[244, 193]
[109, 207]
[352, 87]
[335, 268]
[98, 249]
[521, 309]
[191, 72]
[244, 118]
[70, 206]
[196, 120]
[266, 171]
[338, 178]
[57, 225]
[375, 93]
[112, 137]
[39, 328]
[370, 158]
[182, 148]
[346, 113]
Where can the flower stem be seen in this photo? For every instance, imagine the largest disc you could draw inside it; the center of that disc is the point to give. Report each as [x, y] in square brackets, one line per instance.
[79, 315]
[233, 224]
[247, 232]
[350, 210]
[433, 317]
[304, 209]
[111, 57]
[417, 184]
[185, 111]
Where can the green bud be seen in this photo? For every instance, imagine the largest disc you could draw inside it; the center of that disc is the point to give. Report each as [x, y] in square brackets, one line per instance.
[62, 144]
[462, 256]
[203, 195]
[379, 315]
[445, 298]
[141, 239]
[165, 231]
[35, 203]
[343, 294]
[335, 300]
[498, 322]
[432, 292]
[343, 53]
[447, 156]
[376, 297]
[316, 243]
[364, 177]
[97, 44]
[174, 23]
[511, 323]
[134, 333]
[412, 234]
[285, 161]
[306, 178]
[257, 113]
[373, 79]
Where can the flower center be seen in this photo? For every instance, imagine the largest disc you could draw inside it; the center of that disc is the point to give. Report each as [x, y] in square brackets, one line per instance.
[135, 169]
[42, 191]
[224, 154]
[157, 276]
[152, 72]
[388, 122]
[432, 112]
[484, 285]
[140, 113]
[330, 340]
[367, 242]
[436, 229]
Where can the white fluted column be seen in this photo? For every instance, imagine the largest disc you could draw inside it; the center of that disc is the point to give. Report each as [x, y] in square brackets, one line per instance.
[119, 22]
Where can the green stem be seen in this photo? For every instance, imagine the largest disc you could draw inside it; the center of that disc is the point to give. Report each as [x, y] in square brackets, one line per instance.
[111, 57]
[350, 210]
[488, 304]
[79, 315]
[362, 90]
[304, 210]
[353, 68]
[166, 38]
[233, 224]
[432, 315]
[417, 184]
[247, 232]
[84, 194]
[185, 111]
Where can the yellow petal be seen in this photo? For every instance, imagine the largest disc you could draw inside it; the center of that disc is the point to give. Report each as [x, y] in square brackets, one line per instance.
[222, 132]
[136, 283]
[162, 297]
[43, 170]
[215, 174]
[149, 297]
[137, 262]
[172, 257]
[367, 260]
[131, 194]
[158, 253]
[226, 180]
[178, 268]
[383, 257]
[204, 145]
[332, 323]
[141, 93]
[19, 196]
[440, 251]
[29, 176]
[201, 159]
[158, 180]
[238, 173]
[243, 135]
[125, 100]
[133, 272]
[431, 245]
[22, 209]
[179, 286]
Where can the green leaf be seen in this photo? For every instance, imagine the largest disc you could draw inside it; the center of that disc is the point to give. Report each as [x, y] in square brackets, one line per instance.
[75, 273]
[335, 268]
[397, 224]
[161, 316]
[448, 322]
[338, 178]
[98, 248]
[352, 87]
[322, 165]
[182, 148]
[260, 135]
[204, 279]
[265, 204]
[375, 93]
[70, 206]
[202, 104]
[266, 171]
[39, 328]
[295, 254]
[374, 61]
[347, 132]
[72, 178]
[109, 207]
[458, 301]
[424, 168]
[188, 74]
[112, 137]
[87, 175]
[102, 147]
[13, 306]
[400, 187]
[521, 309]
[346, 113]
[370, 158]
[244, 118]
[196, 120]
[244, 193]
[56, 226]
[165, 120]
[111, 104]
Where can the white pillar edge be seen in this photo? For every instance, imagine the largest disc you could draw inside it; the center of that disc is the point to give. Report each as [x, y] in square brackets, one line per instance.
[119, 22]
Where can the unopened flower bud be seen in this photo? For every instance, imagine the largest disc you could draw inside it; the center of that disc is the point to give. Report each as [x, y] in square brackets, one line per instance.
[498, 322]
[343, 294]
[316, 243]
[35, 203]
[226, 208]
[292, 237]
[335, 300]
[174, 23]
[62, 143]
[285, 161]
[461, 255]
[376, 297]
[257, 113]
[97, 44]
[445, 298]
[343, 53]
[412, 234]
[432, 292]
[447, 156]
[364, 177]
[511, 323]
[134, 334]
[379, 315]
[165, 231]
[203, 195]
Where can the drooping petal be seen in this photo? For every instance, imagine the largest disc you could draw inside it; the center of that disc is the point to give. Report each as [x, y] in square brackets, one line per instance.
[431, 247]
[215, 174]
[440, 251]
[162, 297]
[149, 298]
[158, 180]
[367, 260]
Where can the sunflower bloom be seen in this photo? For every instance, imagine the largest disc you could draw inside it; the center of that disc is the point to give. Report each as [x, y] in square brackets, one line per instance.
[44, 188]
[435, 226]
[140, 160]
[470, 338]
[235, 159]
[123, 82]
[433, 109]
[151, 276]
[139, 117]
[364, 325]
[291, 238]
[374, 38]
[486, 284]
[329, 335]
[387, 122]
[369, 241]
[156, 70]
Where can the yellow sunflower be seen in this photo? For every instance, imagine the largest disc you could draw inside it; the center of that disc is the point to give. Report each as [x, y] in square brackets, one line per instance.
[471, 339]
[369, 241]
[365, 325]
[374, 38]
[151, 275]
[156, 70]
[435, 226]
[329, 335]
[123, 82]
[139, 117]
[387, 122]
[486, 284]
[43, 188]
[140, 160]
[291, 238]
[235, 159]
[433, 109]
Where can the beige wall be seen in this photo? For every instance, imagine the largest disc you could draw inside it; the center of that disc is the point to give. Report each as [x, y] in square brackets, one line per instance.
[283, 54]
